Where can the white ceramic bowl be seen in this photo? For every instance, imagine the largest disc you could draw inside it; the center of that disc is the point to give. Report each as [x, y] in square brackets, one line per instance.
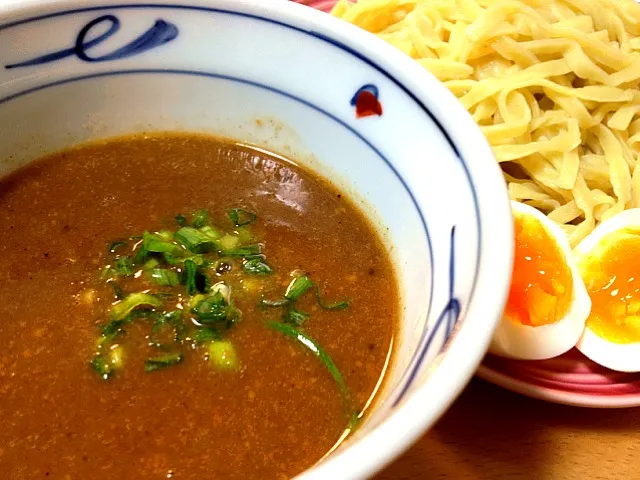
[76, 70]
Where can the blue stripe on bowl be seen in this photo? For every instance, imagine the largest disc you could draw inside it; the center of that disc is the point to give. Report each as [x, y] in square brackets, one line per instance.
[427, 335]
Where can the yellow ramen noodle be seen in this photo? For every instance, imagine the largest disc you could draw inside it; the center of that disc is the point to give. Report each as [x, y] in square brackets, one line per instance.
[552, 83]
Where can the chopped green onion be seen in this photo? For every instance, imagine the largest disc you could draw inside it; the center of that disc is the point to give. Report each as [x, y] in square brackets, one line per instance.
[244, 235]
[123, 308]
[241, 217]
[113, 327]
[209, 231]
[213, 308]
[330, 306]
[115, 357]
[246, 251]
[107, 273]
[165, 235]
[205, 335]
[141, 255]
[229, 241]
[171, 319]
[190, 270]
[314, 348]
[151, 263]
[144, 314]
[172, 260]
[295, 317]
[256, 266]
[165, 277]
[195, 300]
[298, 287]
[200, 218]
[124, 266]
[195, 240]
[117, 244]
[117, 291]
[233, 316]
[223, 355]
[101, 365]
[175, 319]
[181, 220]
[157, 363]
[159, 243]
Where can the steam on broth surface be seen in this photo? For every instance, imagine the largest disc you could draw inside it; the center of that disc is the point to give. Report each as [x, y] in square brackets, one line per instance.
[178, 306]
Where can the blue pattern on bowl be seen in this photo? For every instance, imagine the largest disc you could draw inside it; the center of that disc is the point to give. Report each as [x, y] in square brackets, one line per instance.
[163, 32]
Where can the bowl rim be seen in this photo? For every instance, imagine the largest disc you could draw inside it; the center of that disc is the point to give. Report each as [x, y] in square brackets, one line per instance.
[468, 344]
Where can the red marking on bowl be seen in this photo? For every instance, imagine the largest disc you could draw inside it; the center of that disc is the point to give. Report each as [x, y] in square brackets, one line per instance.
[367, 105]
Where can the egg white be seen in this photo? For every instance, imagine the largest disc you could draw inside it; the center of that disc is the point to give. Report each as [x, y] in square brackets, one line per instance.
[622, 357]
[512, 339]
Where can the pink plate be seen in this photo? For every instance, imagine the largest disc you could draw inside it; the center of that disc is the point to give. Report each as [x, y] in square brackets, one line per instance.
[571, 379]
[324, 5]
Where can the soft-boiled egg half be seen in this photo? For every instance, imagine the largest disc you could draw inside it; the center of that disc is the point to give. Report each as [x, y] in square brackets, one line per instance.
[609, 262]
[548, 303]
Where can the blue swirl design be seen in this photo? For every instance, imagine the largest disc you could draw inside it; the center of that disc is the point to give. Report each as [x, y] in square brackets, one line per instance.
[447, 319]
[450, 313]
[160, 33]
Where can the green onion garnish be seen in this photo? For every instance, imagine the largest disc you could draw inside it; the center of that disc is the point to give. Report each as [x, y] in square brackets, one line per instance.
[241, 217]
[141, 255]
[101, 365]
[151, 264]
[295, 317]
[256, 266]
[330, 306]
[117, 291]
[165, 277]
[200, 218]
[172, 320]
[114, 327]
[209, 231]
[324, 357]
[206, 334]
[157, 363]
[124, 266]
[233, 316]
[189, 257]
[108, 273]
[181, 220]
[246, 251]
[190, 271]
[223, 355]
[213, 308]
[298, 287]
[134, 300]
[195, 240]
[161, 243]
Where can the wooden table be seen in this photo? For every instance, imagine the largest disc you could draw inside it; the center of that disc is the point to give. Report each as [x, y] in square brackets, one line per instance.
[490, 433]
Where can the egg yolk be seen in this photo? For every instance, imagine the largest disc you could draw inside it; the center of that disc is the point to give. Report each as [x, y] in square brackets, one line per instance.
[541, 281]
[612, 275]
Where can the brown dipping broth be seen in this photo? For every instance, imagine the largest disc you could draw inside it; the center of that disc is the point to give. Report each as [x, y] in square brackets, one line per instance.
[277, 415]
